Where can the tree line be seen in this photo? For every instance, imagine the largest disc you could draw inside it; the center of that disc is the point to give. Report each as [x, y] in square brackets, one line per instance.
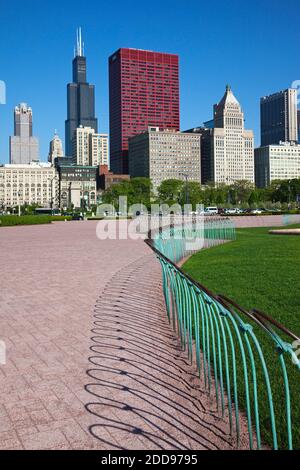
[281, 194]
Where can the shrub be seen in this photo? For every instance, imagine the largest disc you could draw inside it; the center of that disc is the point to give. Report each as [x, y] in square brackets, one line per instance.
[10, 220]
[60, 218]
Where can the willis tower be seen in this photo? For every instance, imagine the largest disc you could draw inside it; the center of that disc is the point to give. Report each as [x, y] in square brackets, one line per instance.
[81, 97]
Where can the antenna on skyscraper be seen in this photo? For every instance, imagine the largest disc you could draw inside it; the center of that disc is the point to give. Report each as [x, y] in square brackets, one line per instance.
[80, 45]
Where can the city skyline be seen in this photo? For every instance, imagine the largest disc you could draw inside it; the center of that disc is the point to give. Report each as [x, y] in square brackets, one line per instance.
[203, 74]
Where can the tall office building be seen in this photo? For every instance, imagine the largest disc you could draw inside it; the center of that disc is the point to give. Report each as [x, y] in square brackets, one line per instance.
[276, 162]
[89, 148]
[227, 149]
[298, 119]
[55, 149]
[81, 97]
[163, 154]
[23, 147]
[278, 116]
[143, 91]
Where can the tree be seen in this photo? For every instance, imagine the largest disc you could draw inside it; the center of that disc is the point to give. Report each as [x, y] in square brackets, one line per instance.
[222, 193]
[140, 191]
[209, 194]
[284, 191]
[136, 190]
[169, 191]
[195, 194]
[253, 199]
[242, 190]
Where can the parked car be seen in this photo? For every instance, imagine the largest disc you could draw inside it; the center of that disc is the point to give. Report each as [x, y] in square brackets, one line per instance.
[231, 211]
[256, 211]
[211, 211]
[77, 217]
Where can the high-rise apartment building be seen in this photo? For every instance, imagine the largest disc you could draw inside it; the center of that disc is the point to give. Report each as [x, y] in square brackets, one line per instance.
[81, 98]
[23, 147]
[143, 91]
[278, 116]
[227, 149]
[89, 148]
[161, 155]
[99, 149]
[55, 149]
[276, 162]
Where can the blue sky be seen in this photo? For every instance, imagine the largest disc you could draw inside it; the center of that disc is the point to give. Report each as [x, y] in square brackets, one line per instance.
[251, 44]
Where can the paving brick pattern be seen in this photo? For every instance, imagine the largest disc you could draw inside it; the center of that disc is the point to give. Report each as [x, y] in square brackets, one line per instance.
[91, 360]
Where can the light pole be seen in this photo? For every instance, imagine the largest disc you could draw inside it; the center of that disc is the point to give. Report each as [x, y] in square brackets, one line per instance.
[70, 194]
[51, 192]
[19, 206]
[228, 194]
[186, 187]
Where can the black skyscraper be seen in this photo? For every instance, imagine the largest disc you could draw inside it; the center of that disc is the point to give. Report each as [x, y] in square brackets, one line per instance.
[81, 98]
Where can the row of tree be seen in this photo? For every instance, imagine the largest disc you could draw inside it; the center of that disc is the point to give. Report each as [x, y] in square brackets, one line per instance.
[281, 193]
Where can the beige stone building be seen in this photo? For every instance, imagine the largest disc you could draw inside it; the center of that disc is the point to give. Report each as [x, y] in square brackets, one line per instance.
[55, 149]
[165, 154]
[227, 148]
[90, 148]
[99, 149]
[34, 183]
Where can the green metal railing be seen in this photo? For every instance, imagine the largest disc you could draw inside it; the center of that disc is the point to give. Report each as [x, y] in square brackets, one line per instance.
[178, 241]
[245, 358]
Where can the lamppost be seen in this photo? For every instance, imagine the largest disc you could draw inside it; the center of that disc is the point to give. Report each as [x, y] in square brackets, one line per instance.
[186, 187]
[70, 195]
[228, 194]
[51, 192]
[19, 206]
[289, 189]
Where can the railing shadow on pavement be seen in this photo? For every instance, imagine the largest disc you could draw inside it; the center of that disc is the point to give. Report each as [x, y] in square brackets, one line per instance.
[141, 398]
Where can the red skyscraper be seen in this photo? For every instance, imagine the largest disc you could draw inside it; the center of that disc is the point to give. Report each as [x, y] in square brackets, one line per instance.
[143, 91]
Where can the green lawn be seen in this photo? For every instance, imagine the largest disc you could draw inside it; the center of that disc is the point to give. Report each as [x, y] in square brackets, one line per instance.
[262, 271]
[258, 270]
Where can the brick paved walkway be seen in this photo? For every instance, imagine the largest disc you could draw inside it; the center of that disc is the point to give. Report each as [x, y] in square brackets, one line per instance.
[91, 360]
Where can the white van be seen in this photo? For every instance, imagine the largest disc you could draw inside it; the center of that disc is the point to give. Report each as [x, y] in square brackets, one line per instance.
[211, 211]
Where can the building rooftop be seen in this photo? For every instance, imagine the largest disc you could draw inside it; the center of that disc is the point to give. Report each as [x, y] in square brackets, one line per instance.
[34, 164]
[228, 97]
[266, 97]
